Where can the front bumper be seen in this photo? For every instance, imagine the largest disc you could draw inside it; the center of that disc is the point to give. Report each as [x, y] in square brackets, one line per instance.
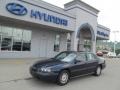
[52, 76]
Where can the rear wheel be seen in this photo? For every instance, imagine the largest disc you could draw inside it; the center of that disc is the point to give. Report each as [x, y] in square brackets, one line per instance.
[98, 71]
[63, 78]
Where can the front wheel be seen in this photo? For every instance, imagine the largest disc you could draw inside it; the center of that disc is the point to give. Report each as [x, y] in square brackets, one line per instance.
[63, 78]
[98, 71]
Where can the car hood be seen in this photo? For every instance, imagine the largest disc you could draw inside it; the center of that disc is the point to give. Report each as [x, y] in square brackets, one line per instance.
[48, 63]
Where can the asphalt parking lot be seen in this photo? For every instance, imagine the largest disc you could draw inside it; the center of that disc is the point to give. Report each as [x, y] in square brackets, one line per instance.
[14, 75]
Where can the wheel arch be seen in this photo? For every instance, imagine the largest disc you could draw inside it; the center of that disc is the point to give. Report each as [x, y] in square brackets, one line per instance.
[67, 69]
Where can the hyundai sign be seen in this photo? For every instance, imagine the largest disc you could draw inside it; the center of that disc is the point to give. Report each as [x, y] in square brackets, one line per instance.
[16, 9]
[102, 34]
[20, 10]
[48, 18]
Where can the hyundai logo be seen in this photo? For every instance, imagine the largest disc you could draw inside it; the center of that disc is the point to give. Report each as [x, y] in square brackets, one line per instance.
[16, 9]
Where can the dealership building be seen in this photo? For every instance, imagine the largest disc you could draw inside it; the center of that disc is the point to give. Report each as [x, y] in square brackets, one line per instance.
[34, 28]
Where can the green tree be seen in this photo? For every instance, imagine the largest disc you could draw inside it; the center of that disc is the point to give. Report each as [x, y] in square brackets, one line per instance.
[117, 51]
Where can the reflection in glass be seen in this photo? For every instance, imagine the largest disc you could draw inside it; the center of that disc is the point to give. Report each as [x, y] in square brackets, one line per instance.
[6, 31]
[12, 39]
[68, 41]
[0, 36]
[26, 40]
[17, 44]
[57, 43]
[0, 40]
[6, 38]
[87, 45]
[65, 56]
[6, 43]
[17, 40]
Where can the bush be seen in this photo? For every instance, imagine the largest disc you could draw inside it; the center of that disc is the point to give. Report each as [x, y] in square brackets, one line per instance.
[117, 51]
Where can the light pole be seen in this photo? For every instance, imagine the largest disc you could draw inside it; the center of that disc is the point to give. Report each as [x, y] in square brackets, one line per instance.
[115, 32]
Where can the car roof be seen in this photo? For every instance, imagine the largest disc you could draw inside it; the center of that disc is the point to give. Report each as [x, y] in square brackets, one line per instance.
[77, 51]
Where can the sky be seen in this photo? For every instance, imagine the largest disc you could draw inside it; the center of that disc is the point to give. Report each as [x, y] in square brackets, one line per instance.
[109, 15]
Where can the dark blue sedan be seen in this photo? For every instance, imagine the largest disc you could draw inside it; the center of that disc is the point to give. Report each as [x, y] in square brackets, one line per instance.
[66, 65]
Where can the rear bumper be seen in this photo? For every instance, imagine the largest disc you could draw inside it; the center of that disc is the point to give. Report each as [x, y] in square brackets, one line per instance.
[103, 65]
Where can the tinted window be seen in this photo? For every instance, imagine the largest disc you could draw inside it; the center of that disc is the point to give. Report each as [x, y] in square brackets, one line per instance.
[90, 57]
[81, 57]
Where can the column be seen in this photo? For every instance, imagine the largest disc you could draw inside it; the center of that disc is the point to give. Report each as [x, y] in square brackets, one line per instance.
[74, 41]
[94, 46]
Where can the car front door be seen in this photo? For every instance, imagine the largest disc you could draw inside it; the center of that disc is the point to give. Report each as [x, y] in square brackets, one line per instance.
[92, 63]
[79, 66]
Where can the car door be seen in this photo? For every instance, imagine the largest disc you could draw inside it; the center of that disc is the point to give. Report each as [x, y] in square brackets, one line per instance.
[91, 63]
[79, 66]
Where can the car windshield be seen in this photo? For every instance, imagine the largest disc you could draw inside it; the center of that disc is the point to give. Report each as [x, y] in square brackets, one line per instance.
[65, 57]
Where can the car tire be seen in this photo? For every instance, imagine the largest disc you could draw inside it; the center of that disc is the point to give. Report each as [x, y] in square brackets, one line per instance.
[98, 71]
[63, 78]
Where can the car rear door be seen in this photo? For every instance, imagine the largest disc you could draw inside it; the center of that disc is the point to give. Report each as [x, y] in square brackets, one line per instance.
[91, 63]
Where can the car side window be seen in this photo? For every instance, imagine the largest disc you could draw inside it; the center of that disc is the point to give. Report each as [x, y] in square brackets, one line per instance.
[81, 57]
[90, 57]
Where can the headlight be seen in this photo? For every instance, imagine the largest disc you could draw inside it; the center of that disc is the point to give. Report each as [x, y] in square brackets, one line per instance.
[45, 69]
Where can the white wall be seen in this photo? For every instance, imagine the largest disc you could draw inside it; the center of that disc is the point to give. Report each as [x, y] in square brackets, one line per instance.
[83, 15]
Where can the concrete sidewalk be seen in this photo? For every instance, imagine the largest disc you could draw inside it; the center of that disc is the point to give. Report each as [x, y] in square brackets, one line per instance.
[15, 69]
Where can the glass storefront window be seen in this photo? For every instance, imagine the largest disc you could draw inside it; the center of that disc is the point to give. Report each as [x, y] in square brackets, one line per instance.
[17, 40]
[6, 38]
[87, 45]
[0, 40]
[26, 41]
[6, 31]
[13, 39]
[17, 44]
[6, 43]
[0, 37]
[68, 41]
[57, 43]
